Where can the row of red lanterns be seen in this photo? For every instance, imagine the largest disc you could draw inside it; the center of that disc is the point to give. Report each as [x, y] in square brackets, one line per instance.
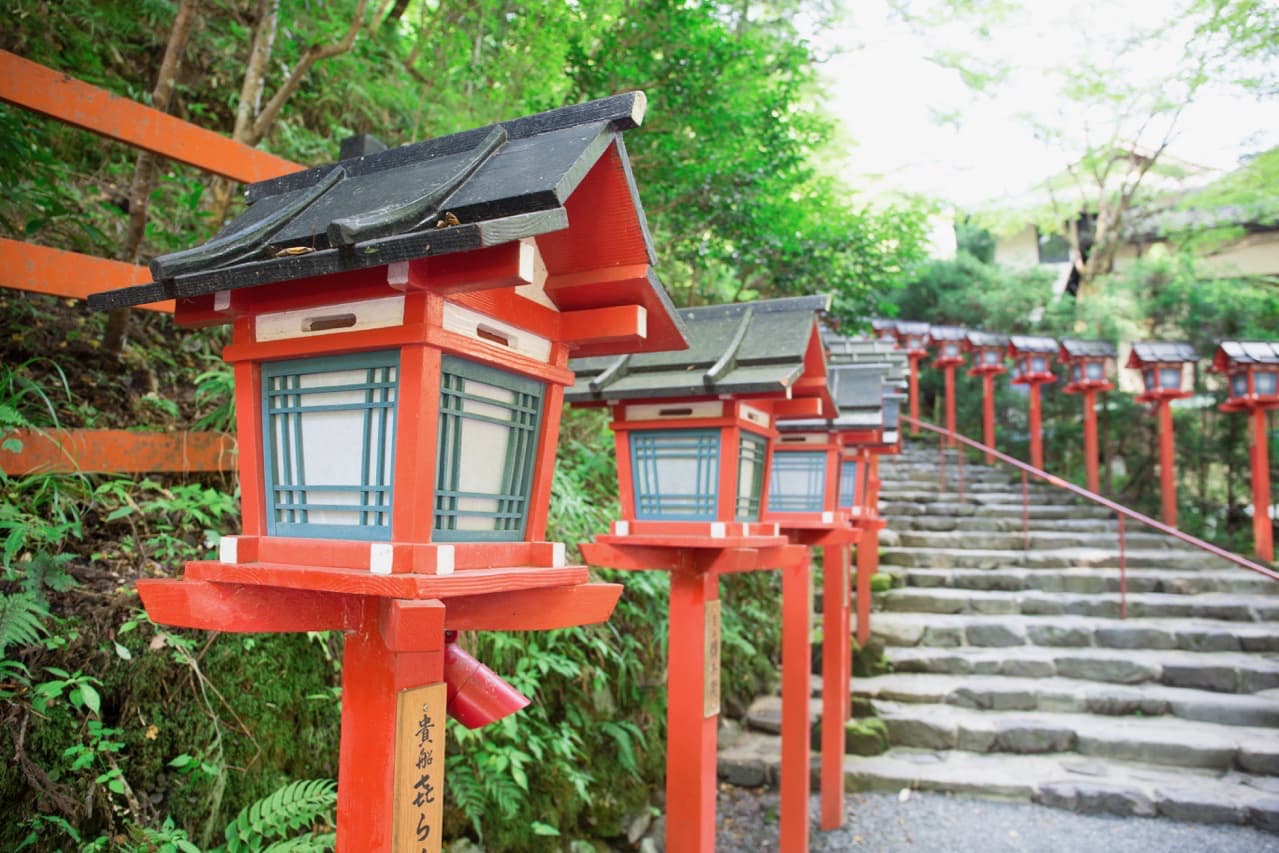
[1251, 368]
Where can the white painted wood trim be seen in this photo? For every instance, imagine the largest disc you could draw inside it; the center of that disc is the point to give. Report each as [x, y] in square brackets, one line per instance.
[486, 330]
[309, 322]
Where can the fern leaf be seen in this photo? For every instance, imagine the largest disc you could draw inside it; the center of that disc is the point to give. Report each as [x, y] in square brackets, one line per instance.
[297, 804]
[305, 844]
[21, 620]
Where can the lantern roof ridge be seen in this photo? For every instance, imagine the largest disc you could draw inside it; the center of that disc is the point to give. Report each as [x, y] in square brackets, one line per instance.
[1088, 348]
[739, 348]
[1245, 352]
[1155, 352]
[1031, 343]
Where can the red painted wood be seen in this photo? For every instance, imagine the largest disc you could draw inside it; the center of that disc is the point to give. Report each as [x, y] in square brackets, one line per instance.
[625, 325]
[485, 268]
[117, 451]
[333, 343]
[867, 566]
[1036, 430]
[1167, 464]
[835, 688]
[1262, 528]
[236, 607]
[534, 609]
[544, 462]
[800, 407]
[988, 412]
[796, 668]
[56, 272]
[417, 423]
[372, 675]
[248, 431]
[950, 398]
[511, 307]
[914, 390]
[691, 767]
[409, 586]
[1090, 440]
[60, 96]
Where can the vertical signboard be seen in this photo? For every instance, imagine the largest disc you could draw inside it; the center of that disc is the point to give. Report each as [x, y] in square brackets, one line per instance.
[710, 694]
[419, 769]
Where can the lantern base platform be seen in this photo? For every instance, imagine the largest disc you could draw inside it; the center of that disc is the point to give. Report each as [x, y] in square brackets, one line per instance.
[1087, 385]
[384, 558]
[406, 585]
[728, 532]
[825, 536]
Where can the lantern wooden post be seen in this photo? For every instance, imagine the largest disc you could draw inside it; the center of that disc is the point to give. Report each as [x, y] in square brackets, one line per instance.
[1252, 373]
[399, 372]
[1031, 355]
[1162, 365]
[948, 342]
[913, 338]
[988, 355]
[1262, 526]
[1087, 363]
[694, 437]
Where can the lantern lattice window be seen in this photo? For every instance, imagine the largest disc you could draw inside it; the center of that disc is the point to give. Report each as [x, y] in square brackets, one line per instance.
[797, 481]
[676, 473]
[848, 484]
[750, 476]
[329, 425]
[487, 440]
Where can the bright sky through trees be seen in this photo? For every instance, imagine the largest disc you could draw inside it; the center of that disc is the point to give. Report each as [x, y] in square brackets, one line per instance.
[917, 127]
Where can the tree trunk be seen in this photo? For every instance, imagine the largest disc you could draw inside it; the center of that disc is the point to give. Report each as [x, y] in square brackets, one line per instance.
[144, 170]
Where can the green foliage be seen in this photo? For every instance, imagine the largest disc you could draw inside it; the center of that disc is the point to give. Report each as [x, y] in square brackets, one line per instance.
[271, 823]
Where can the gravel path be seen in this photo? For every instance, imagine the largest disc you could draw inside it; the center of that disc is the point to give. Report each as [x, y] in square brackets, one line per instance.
[747, 820]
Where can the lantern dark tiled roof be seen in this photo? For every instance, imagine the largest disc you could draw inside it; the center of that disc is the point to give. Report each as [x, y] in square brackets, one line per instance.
[1246, 352]
[858, 390]
[865, 351]
[457, 193]
[986, 339]
[905, 328]
[947, 333]
[879, 324]
[1154, 352]
[1077, 348]
[1031, 343]
[742, 348]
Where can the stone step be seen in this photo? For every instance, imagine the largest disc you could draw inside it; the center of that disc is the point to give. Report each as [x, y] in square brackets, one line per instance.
[1057, 558]
[980, 630]
[973, 524]
[892, 509]
[1039, 540]
[1222, 672]
[1150, 605]
[1165, 741]
[1067, 781]
[991, 496]
[1086, 580]
[1073, 695]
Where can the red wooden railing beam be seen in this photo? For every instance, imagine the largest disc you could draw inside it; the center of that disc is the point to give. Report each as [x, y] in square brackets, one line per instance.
[116, 451]
[34, 87]
[71, 275]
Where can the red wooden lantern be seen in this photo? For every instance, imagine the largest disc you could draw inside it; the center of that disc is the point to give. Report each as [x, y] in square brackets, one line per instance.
[401, 326]
[1032, 356]
[813, 495]
[988, 362]
[1163, 367]
[884, 330]
[694, 437]
[1087, 365]
[948, 342]
[1252, 371]
[913, 338]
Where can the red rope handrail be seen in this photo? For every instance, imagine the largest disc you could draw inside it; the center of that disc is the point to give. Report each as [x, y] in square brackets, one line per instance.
[1054, 480]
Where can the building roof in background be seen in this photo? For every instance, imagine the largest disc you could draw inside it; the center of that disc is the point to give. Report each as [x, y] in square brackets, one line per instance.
[736, 349]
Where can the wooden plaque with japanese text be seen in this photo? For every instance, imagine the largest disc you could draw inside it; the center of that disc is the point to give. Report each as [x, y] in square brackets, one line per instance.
[419, 769]
[710, 684]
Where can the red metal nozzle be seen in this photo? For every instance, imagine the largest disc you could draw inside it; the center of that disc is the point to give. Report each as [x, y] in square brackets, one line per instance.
[477, 695]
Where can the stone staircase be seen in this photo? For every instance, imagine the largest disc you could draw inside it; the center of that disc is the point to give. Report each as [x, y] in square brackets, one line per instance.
[1014, 677]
